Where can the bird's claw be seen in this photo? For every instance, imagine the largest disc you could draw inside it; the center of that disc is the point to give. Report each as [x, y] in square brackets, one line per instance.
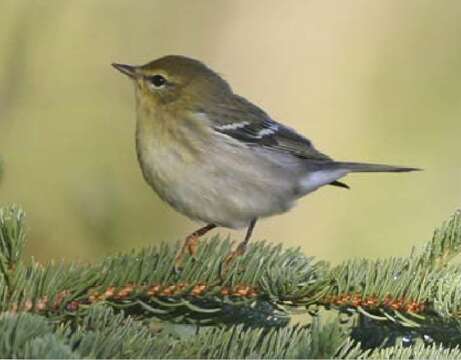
[226, 263]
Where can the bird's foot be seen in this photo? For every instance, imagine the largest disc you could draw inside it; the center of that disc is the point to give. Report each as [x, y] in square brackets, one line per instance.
[231, 257]
[189, 248]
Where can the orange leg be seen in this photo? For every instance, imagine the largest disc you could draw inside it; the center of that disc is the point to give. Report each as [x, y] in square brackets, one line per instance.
[190, 244]
[241, 248]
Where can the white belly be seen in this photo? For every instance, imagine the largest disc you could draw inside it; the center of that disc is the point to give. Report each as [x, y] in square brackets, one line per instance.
[227, 191]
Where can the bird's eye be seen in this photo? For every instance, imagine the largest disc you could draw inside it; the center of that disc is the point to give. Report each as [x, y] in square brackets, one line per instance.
[157, 81]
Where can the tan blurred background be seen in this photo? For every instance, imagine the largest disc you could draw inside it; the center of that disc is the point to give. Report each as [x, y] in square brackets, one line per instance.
[365, 80]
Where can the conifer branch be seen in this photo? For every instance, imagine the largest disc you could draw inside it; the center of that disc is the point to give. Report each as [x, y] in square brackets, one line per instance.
[445, 243]
[404, 290]
[127, 305]
[103, 334]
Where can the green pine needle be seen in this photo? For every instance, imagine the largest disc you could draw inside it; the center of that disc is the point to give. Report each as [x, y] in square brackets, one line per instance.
[135, 306]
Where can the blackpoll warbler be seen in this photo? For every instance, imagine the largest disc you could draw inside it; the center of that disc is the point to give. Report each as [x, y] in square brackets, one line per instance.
[216, 157]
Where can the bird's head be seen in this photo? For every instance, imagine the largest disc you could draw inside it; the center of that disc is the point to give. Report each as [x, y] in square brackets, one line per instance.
[176, 82]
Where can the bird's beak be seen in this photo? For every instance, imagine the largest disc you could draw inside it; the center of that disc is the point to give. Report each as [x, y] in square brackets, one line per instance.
[128, 70]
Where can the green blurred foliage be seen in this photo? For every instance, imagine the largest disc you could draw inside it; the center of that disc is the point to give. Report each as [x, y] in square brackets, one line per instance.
[369, 81]
[1, 170]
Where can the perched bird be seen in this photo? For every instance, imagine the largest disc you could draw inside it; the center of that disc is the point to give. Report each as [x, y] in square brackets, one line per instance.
[216, 157]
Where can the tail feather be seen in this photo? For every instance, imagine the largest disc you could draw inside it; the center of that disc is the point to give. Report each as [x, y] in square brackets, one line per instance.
[340, 184]
[364, 167]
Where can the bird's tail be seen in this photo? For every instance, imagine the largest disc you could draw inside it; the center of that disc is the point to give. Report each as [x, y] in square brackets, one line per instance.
[364, 167]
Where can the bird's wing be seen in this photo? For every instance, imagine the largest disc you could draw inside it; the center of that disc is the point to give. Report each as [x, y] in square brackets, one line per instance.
[247, 123]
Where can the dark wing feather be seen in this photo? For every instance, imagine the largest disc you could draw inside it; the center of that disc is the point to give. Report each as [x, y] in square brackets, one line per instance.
[247, 123]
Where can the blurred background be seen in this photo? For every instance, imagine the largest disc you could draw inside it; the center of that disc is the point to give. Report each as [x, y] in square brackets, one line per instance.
[367, 81]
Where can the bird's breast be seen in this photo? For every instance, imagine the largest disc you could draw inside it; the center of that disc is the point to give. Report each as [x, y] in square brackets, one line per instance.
[214, 178]
[167, 151]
